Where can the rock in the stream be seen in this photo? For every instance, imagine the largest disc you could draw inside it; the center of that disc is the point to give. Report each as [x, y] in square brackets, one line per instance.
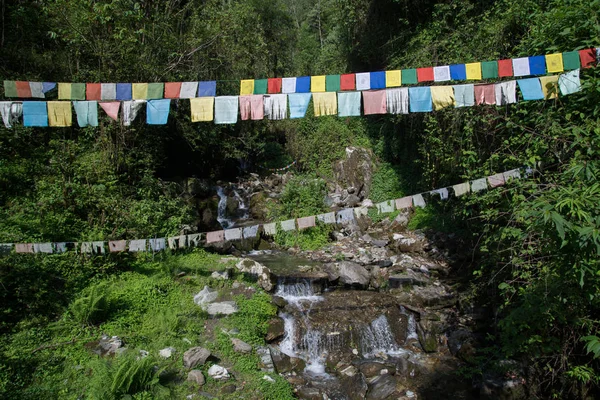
[241, 346]
[350, 273]
[218, 373]
[196, 376]
[275, 329]
[257, 271]
[167, 352]
[222, 308]
[408, 278]
[206, 296]
[381, 387]
[195, 356]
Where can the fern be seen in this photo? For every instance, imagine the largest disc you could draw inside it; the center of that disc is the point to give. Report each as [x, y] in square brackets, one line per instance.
[92, 307]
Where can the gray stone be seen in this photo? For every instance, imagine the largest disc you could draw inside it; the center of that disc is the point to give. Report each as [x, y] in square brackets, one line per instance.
[275, 330]
[222, 308]
[206, 296]
[256, 270]
[195, 356]
[278, 301]
[196, 376]
[352, 200]
[109, 346]
[228, 389]
[218, 373]
[266, 362]
[351, 273]
[408, 278]
[268, 379]
[380, 243]
[223, 275]
[240, 346]
[381, 387]
[167, 352]
[372, 369]
[385, 263]
[349, 371]
[281, 361]
[355, 171]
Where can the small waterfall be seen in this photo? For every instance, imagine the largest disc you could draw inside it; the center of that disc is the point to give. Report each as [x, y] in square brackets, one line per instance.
[377, 339]
[411, 328]
[222, 209]
[243, 210]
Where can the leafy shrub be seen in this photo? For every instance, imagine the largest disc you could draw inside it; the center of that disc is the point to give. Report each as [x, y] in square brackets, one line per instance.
[386, 184]
[93, 306]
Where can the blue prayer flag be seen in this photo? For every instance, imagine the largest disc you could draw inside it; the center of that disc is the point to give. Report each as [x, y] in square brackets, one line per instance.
[378, 80]
[157, 111]
[298, 104]
[537, 65]
[207, 89]
[35, 113]
[303, 84]
[48, 86]
[458, 72]
[349, 104]
[123, 91]
[531, 89]
[420, 99]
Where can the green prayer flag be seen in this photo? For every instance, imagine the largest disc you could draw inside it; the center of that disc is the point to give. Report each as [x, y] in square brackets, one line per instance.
[155, 90]
[77, 91]
[10, 89]
[260, 86]
[489, 69]
[571, 60]
[409, 76]
[332, 83]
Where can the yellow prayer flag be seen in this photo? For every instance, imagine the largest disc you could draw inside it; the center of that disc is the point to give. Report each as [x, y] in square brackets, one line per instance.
[442, 96]
[473, 71]
[246, 87]
[64, 91]
[202, 108]
[325, 103]
[317, 83]
[59, 113]
[139, 91]
[549, 86]
[554, 62]
[393, 78]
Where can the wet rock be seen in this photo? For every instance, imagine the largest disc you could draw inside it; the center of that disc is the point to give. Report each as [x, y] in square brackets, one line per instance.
[278, 301]
[434, 296]
[381, 387]
[167, 352]
[281, 361]
[295, 380]
[352, 200]
[266, 362]
[385, 263]
[206, 296]
[222, 308]
[457, 338]
[218, 373]
[195, 356]
[372, 369]
[240, 346]
[407, 278]
[257, 271]
[380, 243]
[355, 386]
[268, 379]
[309, 393]
[409, 244]
[275, 329]
[228, 389]
[428, 336]
[196, 377]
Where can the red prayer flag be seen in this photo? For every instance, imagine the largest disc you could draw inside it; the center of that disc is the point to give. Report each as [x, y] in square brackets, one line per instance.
[172, 90]
[111, 108]
[485, 94]
[93, 91]
[505, 68]
[425, 74]
[274, 85]
[23, 89]
[588, 57]
[347, 82]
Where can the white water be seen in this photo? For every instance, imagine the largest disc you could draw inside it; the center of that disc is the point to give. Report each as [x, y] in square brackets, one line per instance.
[243, 212]
[377, 339]
[411, 329]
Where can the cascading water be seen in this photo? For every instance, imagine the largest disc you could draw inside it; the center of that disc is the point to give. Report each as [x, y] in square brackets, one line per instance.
[243, 210]
[377, 339]
[222, 209]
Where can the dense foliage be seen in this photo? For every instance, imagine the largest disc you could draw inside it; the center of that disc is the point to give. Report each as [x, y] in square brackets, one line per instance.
[535, 244]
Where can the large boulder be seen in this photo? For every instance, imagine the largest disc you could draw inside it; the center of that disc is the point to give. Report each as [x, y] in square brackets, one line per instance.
[349, 273]
[275, 329]
[196, 377]
[222, 308]
[240, 346]
[257, 271]
[205, 296]
[355, 171]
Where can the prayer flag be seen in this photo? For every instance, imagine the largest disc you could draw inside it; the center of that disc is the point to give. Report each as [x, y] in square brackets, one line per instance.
[521, 66]
[137, 245]
[276, 106]
[139, 91]
[64, 91]
[489, 69]
[377, 80]
[441, 74]
[464, 95]
[443, 192]
[385, 206]
[250, 231]
[215, 237]
[93, 91]
[157, 111]
[317, 83]
[512, 174]
[537, 65]
[48, 86]
[270, 229]
[172, 90]
[23, 89]
[361, 211]
[418, 200]
[485, 94]
[328, 218]
[496, 180]
[207, 89]
[569, 82]
[345, 216]
[478, 185]
[10, 89]
[571, 60]
[554, 62]
[115, 246]
[303, 84]
[23, 247]
[202, 109]
[59, 113]
[288, 85]
[108, 91]
[288, 225]
[260, 86]
[274, 85]
[42, 248]
[458, 72]
[246, 87]
[188, 90]
[78, 91]
[233, 234]
[325, 103]
[37, 89]
[409, 76]
[420, 99]
[393, 78]
[332, 83]
[111, 108]
[298, 104]
[87, 113]
[442, 96]
[505, 68]
[549, 86]
[156, 90]
[404, 203]
[348, 104]
[397, 100]
[425, 74]
[587, 57]
[473, 71]
[461, 188]
[124, 91]
[374, 102]
[363, 81]
[506, 92]
[252, 107]
[306, 222]
[130, 110]
[531, 89]
[348, 82]
[226, 109]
